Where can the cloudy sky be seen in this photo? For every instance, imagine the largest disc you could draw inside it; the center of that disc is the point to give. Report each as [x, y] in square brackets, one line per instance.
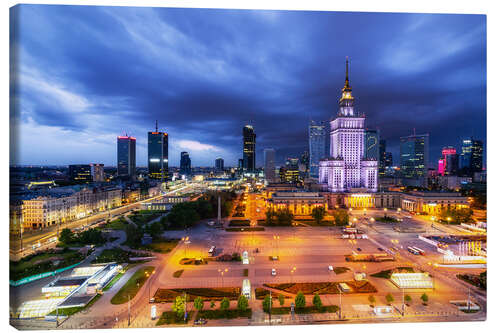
[82, 75]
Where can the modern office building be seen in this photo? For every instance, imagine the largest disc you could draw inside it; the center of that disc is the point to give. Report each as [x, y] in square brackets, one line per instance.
[269, 164]
[219, 164]
[185, 164]
[248, 148]
[291, 173]
[347, 168]
[126, 156]
[450, 158]
[471, 157]
[414, 156]
[158, 154]
[372, 145]
[80, 173]
[86, 173]
[318, 145]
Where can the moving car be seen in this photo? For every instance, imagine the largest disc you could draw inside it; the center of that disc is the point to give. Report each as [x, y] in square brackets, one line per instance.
[275, 258]
[330, 268]
[273, 272]
[359, 249]
[380, 249]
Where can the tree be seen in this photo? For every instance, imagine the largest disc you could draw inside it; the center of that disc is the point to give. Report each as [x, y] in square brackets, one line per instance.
[317, 302]
[371, 299]
[91, 236]
[300, 300]
[267, 304]
[134, 235]
[242, 303]
[318, 213]
[198, 303]
[407, 299]
[66, 236]
[340, 217]
[156, 230]
[179, 306]
[389, 298]
[281, 299]
[212, 304]
[284, 217]
[224, 304]
[424, 298]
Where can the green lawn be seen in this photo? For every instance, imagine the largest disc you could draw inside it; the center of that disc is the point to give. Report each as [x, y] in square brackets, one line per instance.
[177, 274]
[340, 270]
[132, 286]
[113, 255]
[161, 246]
[118, 224]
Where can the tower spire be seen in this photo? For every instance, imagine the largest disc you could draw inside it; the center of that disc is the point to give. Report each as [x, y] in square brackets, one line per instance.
[346, 72]
[156, 126]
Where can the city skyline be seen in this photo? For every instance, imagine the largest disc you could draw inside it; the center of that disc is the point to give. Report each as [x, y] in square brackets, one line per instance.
[92, 104]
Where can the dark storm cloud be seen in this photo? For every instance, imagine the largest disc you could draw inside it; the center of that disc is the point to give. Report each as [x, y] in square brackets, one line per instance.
[203, 74]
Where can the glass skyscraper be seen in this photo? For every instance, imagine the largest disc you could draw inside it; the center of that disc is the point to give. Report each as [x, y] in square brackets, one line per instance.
[219, 164]
[372, 147]
[318, 145]
[157, 154]
[471, 158]
[126, 156]
[414, 156]
[185, 165]
[248, 148]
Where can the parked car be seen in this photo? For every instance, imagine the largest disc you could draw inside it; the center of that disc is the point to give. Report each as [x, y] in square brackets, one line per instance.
[380, 249]
[359, 249]
[200, 321]
[273, 272]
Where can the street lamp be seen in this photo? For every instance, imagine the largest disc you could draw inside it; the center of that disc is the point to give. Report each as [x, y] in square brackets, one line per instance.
[222, 271]
[291, 273]
[364, 211]
[448, 219]
[385, 212]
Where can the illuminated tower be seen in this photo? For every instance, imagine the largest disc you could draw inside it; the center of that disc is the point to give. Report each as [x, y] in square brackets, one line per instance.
[248, 148]
[157, 154]
[347, 168]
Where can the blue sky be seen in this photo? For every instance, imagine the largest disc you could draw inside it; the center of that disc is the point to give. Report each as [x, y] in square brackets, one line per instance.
[81, 75]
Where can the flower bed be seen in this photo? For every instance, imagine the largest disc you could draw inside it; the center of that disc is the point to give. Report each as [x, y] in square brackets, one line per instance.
[211, 294]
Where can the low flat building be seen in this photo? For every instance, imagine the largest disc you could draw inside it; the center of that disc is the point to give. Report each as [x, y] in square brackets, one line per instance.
[432, 202]
[298, 203]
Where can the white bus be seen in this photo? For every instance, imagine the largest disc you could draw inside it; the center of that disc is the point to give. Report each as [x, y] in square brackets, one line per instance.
[422, 252]
[212, 250]
[413, 250]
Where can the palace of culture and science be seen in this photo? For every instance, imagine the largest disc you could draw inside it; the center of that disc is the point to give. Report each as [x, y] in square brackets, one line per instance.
[347, 169]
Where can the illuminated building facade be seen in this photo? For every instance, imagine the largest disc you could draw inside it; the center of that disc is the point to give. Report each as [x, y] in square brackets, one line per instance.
[414, 156]
[249, 148]
[471, 158]
[126, 156]
[347, 168]
[298, 203]
[318, 145]
[372, 144]
[86, 172]
[432, 202]
[60, 208]
[157, 154]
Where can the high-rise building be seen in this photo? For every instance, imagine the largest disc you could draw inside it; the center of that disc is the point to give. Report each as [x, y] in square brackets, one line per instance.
[414, 156]
[157, 154]
[126, 156]
[219, 164]
[292, 170]
[450, 158]
[185, 164]
[248, 148]
[97, 172]
[269, 164]
[388, 159]
[477, 156]
[381, 158]
[372, 145]
[441, 167]
[347, 168]
[318, 145]
[471, 158]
